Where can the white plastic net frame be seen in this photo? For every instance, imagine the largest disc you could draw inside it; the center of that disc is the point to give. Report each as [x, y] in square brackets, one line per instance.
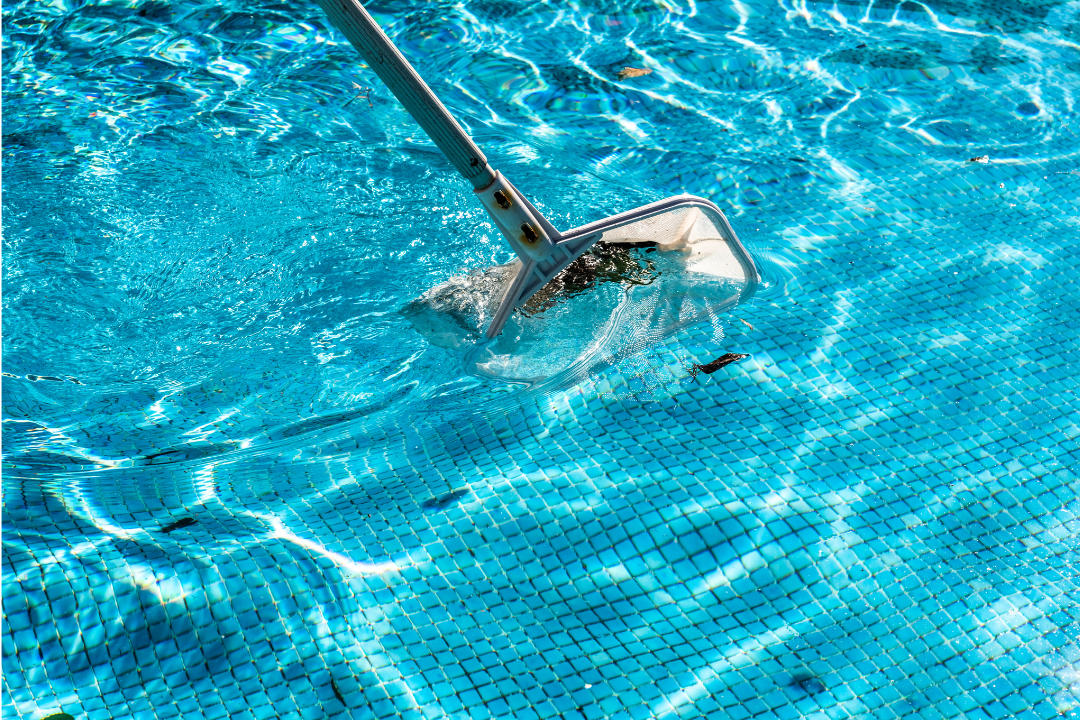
[707, 272]
[700, 231]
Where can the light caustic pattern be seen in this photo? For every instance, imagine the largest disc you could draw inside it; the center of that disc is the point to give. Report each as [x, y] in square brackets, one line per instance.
[239, 483]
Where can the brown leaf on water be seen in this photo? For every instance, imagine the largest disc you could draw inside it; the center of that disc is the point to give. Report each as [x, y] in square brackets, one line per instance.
[629, 72]
[716, 364]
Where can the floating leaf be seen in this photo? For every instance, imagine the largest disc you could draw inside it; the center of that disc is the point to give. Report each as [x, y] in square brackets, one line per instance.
[984, 159]
[629, 72]
[716, 364]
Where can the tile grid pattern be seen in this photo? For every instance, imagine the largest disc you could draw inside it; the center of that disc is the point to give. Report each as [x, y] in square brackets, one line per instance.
[846, 595]
[874, 516]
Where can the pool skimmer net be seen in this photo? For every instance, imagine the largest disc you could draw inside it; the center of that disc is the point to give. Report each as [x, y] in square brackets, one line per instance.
[684, 224]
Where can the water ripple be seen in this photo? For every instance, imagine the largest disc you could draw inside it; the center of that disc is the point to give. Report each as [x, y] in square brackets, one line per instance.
[209, 256]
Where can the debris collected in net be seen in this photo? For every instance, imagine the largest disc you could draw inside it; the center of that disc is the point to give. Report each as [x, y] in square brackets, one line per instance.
[716, 364]
[604, 262]
[631, 72]
[181, 523]
[982, 159]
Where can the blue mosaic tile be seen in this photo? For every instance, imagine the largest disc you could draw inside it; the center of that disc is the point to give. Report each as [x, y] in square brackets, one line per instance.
[873, 516]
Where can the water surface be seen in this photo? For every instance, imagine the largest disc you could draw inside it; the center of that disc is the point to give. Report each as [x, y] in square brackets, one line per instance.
[238, 482]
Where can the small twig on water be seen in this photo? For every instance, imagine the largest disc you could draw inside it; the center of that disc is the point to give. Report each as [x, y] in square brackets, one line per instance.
[361, 91]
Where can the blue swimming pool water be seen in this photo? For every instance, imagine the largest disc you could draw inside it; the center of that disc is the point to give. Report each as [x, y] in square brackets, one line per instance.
[238, 482]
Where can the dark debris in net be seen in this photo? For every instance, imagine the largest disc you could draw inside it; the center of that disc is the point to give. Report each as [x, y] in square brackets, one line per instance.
[604, 262]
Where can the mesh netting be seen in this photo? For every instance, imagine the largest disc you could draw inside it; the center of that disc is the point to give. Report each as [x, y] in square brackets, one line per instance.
[640, 282]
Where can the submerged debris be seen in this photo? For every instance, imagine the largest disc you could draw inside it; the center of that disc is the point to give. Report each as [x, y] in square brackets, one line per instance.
[716, 364]
[189, 451]
[441, 502]
[630, 72]
[337, 693]
[1028, 109]
[920, 55]
[181, 523]
[808, 684]
[983, 159]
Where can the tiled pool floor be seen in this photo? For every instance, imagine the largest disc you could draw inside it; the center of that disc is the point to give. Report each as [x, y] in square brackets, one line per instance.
[236, 484]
